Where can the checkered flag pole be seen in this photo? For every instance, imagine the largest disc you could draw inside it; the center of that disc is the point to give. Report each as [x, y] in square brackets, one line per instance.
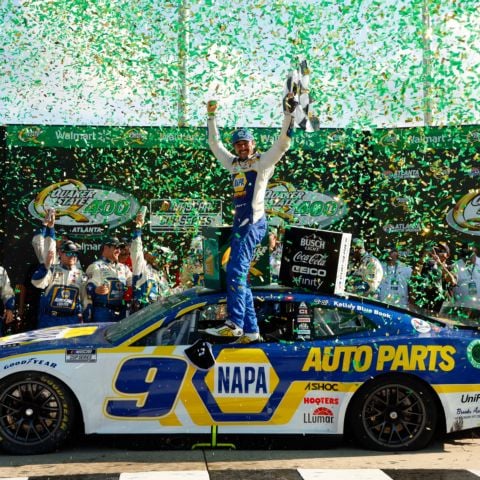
[297, 93]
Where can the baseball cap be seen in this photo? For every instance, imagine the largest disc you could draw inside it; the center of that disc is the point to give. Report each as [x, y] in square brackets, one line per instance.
[241, 134]
[113, 242]
[69, 247]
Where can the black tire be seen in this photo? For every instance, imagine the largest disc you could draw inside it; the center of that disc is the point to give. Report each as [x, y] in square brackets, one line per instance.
[37, 413]
[393, 414]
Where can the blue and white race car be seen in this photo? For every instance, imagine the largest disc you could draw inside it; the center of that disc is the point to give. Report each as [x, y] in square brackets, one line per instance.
[326, 365]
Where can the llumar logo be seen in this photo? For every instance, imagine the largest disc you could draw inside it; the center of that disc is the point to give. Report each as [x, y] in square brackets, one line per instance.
[84, 210]
[465, 215]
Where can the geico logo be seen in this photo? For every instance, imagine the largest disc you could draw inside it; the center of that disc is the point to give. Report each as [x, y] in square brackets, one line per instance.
[388, 357]
[319, 272]
[320, 401]
[242, 380]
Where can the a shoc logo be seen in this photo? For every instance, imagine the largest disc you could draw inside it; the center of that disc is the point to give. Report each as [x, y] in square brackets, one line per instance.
[242, 380]
[464, 216]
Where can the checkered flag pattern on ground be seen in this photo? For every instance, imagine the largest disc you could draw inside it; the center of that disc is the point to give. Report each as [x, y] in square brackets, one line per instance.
[297, 90]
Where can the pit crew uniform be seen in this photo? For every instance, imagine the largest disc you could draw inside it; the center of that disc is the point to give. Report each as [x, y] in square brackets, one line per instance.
[44, 240]
[111, 306]
[393, 288]
[250, 179]
[64, 297]
[149, 284]
[466, 292]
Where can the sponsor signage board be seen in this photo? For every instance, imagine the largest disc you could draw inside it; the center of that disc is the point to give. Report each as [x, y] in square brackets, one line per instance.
[315, 259]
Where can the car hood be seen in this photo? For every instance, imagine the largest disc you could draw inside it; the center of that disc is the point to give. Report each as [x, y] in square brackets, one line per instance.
[68, 336]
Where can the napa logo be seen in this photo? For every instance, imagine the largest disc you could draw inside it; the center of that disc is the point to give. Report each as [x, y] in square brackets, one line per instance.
[465, 215]
[239, 182]
[81, 209]
[242, 381]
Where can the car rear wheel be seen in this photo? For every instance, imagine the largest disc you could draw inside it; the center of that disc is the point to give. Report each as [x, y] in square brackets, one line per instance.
[394, 414]
[37, 413]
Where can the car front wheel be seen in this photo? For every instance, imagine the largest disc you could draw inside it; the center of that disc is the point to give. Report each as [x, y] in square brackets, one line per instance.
[37, 413]
[394, 414]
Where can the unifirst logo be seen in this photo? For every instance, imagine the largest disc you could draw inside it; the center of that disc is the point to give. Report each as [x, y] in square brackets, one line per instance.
[388, 357]
[242, 380]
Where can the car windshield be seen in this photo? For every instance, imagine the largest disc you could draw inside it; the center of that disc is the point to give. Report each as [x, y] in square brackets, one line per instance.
[143, 317]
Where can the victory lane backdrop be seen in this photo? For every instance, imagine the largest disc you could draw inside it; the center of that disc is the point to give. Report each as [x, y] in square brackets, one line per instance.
[373, 175]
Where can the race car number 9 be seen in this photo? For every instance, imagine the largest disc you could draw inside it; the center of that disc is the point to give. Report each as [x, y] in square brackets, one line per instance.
[151, 385]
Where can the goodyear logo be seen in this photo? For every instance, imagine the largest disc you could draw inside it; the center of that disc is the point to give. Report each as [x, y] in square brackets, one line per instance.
[388, 357]
[242, 381]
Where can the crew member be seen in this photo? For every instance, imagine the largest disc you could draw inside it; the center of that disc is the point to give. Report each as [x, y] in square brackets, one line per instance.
[150, 283]
[108, 279]
[63, 298]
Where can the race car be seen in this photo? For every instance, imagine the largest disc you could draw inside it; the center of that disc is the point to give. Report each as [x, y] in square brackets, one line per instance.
[325, 365]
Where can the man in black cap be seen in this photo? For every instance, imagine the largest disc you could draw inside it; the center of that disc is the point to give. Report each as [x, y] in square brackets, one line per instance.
[64, 297]
[108, 280]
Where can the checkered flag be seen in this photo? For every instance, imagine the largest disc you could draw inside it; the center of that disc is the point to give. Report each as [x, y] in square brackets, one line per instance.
[297, 100]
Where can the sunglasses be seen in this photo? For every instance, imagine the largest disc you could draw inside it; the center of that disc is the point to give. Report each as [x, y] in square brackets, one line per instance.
[70, 254]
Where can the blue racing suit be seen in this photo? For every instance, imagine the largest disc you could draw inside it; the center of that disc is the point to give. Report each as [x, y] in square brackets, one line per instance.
[118, 277]
[250, 179]
[64, 297]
